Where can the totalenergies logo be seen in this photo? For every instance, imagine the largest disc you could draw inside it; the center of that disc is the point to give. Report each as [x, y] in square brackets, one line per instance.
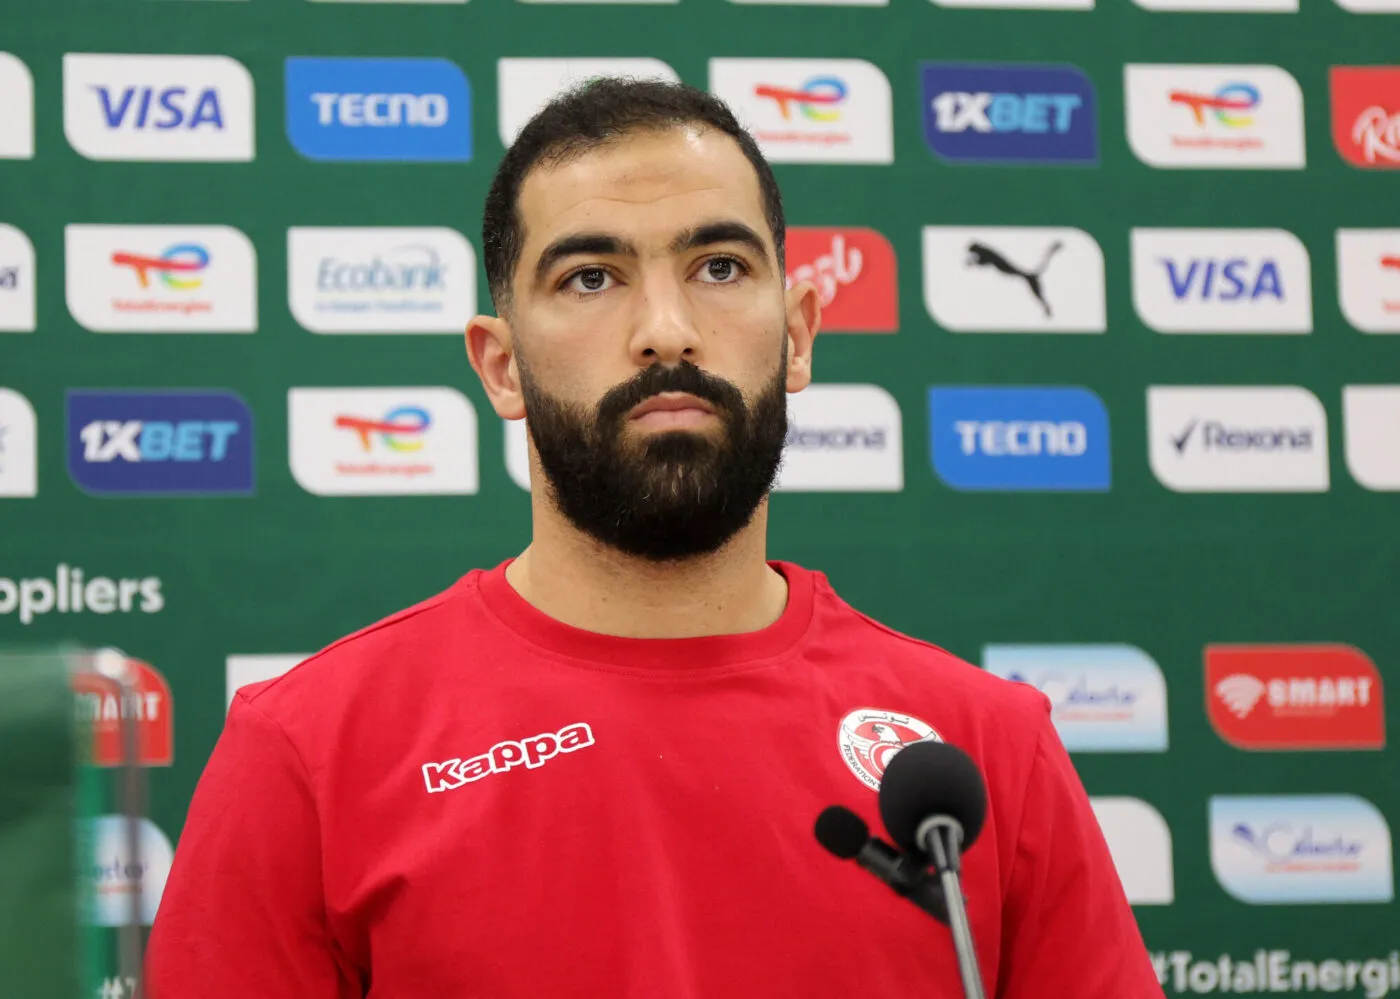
[401, 429]
[174, 267]
[1228, 105]
[817, 99]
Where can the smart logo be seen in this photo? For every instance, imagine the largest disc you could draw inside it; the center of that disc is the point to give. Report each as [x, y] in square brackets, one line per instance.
[1019, 439]
[144, 443]
[1008, 113]
[817, 100]
[408, 110]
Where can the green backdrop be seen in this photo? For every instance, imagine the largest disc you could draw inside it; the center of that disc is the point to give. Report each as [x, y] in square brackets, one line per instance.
[287, 571]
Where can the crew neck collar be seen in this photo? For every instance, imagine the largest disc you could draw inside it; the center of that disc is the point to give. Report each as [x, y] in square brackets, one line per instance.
[672, 655]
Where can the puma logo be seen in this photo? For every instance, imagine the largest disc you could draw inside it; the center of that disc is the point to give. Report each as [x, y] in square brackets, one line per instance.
[981, 255]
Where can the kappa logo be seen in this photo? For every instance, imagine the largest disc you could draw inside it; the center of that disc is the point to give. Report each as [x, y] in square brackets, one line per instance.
[532, 753]
[869, 738]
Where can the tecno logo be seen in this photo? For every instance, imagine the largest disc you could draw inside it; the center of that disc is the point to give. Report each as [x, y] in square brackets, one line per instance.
[70, 591]
[1237, 439]
[1022, 437]
[381, 110]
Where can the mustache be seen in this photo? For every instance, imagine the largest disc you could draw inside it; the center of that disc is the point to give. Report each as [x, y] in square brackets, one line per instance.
[684, 377]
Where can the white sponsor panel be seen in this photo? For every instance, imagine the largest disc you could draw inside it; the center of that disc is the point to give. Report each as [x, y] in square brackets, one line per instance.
[381, 280]
[114, 873]
[1222, 281]
[517, 452]
[1370, 6]
[388, 1]
[158, 107]
[16, 109]
[1368, 278]
[415, 440]
[1223, 6]
[161, 278]
[1237, 439]
[19, 447]
[241, 670]
[817, 3]
[1021, 4]
[1013, 279]
[1191, 116]
[524, 86]
[1371, 416]
[1141, 845]
[810, 110]
[842, 438]
[17, 282]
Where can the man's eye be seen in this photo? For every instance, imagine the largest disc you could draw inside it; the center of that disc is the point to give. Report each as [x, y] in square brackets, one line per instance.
[723, 270]
[587, 281]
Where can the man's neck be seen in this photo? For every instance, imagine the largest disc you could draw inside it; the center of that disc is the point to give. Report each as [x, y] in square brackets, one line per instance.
[580, 582]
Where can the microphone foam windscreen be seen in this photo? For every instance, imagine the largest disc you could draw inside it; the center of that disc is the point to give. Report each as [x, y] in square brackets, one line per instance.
[842, 831]
[931, 778]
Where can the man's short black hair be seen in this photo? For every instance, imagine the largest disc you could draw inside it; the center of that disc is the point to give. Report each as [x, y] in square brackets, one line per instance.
[580, 120]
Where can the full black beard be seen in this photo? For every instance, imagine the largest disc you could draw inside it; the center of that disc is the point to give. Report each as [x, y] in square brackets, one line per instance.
[674, 495]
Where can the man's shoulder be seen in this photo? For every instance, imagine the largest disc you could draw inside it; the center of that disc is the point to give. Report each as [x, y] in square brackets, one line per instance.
[368, 657]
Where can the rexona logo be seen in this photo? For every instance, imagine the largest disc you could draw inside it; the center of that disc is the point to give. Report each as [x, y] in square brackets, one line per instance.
[1103, 698]
[17, 286]
[531, 753]
[16, 109]
[104, 709]
[1237, 439]
[114, 873]
[408, 110]
[524, 86]
[1013, 279]
[1368, 278]
[382, 441]
[381, 280]
[855, 274]
[1372, 417]
[71, 591]
[1366, 115]
[1140, 843]
[1010, 113]
[19, 446]
[123, 443]
[1013, 439]
[1221, 281]
[1186, 116]
[810, 110]
[1294, 697]
[1292, 849]
[843, 438]
[158, 107]
[161, 279]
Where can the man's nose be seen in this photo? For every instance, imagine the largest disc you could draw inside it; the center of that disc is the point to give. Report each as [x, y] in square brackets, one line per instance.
[666, 330]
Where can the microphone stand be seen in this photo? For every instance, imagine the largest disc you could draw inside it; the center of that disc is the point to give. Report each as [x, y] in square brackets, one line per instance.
[940, 837]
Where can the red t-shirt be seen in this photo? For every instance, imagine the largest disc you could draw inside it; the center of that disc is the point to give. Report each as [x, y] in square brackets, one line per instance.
[471, 800]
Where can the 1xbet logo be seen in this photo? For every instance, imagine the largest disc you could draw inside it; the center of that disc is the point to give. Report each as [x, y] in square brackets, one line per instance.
[142, 443]
[1006, 113]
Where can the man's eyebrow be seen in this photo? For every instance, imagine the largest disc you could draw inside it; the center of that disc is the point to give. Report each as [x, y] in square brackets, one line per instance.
[590, 243]
[726, 231]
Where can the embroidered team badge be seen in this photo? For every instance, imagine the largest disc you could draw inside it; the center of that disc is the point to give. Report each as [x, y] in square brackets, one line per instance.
[869, 737]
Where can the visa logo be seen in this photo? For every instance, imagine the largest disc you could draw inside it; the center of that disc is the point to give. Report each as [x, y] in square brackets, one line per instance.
[1224, 280]
[162, 108]
[1010, 113]
[164, 442]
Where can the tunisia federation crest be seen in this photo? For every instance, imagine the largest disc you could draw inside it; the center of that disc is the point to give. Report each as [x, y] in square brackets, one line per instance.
[869, 737]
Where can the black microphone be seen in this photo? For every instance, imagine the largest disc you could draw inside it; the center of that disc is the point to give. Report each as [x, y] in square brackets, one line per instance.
[845, 834]
[933, 803]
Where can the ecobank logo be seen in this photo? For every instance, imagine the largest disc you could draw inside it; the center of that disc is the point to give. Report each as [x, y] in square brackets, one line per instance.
[524, 86]
[1237, 439]
[1221, 281]
[158, 107]
[1301, 849]
[115, 873]
[1014, 439]
[1010, 113]
[380, 280]
[406, 110]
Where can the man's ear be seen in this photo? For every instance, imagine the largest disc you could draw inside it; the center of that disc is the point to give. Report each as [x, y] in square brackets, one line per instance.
[491, 350]
[804, 320]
